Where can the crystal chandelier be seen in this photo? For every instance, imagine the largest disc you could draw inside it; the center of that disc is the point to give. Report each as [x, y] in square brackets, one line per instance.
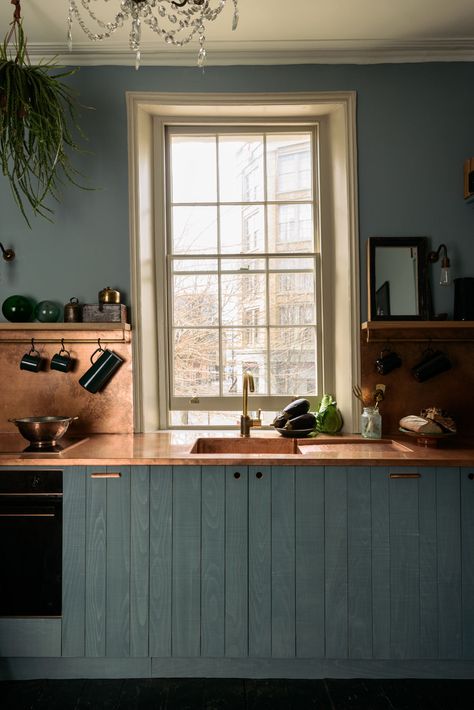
[175, 21]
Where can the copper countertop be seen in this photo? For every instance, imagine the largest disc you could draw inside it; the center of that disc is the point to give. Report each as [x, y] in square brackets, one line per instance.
[173, 447]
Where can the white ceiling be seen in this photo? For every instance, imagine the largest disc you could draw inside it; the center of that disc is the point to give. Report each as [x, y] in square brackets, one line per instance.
[273, 32]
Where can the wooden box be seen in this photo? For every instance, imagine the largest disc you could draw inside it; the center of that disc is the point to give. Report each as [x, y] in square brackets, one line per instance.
[104, 313]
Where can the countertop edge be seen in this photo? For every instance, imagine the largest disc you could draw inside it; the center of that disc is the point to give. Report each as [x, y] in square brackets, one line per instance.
[171, 448]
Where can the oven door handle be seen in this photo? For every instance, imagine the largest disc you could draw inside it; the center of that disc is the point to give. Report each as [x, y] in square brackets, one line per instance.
[27, 512]
[9, 496]
[27, 515]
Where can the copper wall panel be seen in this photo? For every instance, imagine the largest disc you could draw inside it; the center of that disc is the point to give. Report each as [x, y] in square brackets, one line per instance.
[53, 393]
[452, 390]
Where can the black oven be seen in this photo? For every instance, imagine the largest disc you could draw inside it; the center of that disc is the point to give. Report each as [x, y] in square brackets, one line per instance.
[30, 542]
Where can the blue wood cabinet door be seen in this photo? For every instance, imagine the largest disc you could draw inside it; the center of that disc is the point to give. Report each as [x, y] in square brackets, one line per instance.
[237, 562]
[106, 562]
[416, 563]
[467, 532]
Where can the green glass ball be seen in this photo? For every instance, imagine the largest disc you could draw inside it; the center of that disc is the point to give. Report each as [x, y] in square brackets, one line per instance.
[47, 312]
[17, 309]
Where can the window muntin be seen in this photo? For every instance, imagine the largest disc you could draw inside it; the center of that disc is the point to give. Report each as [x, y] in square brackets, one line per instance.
[233, 304]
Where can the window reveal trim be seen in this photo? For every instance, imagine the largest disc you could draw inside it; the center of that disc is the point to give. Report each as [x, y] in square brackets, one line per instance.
[335, 111]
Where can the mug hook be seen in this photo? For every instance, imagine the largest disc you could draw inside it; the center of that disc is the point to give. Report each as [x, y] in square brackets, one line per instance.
[33, 349]
[100, 349]
[429, 349]
[63, 349]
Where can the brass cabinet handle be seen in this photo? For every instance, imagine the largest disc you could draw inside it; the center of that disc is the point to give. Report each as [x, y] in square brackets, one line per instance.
[405, 475]
[99, 474]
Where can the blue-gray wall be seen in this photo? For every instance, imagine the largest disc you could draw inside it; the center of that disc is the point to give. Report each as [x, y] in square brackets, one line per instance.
[415, 128]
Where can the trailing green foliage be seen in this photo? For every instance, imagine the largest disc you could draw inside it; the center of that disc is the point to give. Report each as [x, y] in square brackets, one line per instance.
[37, 121]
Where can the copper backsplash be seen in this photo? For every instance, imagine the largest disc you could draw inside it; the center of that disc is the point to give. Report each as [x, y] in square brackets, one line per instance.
[53, 393]
[451, 390]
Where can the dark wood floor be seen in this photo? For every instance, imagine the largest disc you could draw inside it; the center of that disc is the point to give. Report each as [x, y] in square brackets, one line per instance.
[228, 694]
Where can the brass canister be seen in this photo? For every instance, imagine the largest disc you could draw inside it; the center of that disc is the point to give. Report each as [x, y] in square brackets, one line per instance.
[109, 295]
[73, 311]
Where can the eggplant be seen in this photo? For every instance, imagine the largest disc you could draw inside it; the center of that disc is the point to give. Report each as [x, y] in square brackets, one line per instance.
[279, 421]
[296, 408]
[304, 421]
[292, 410]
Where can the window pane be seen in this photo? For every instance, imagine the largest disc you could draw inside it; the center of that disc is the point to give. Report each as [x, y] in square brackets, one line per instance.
[195, 300]
[243, 264]
[292, 299]
[289, 173]
[194, 265]
[290, 228]
[289, 264]
[195, 362]
[242, 229]
[194, 230]
[242, 293]
[241, 168]
[204, 418]
[193, 169]
[238, 357]
[293, 361]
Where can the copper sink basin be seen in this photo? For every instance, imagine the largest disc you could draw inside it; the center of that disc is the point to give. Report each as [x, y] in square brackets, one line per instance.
[243, 445]
[351, 445]
[306, 447]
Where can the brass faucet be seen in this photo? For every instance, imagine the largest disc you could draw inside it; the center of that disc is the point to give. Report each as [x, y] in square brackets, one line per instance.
[247, 422]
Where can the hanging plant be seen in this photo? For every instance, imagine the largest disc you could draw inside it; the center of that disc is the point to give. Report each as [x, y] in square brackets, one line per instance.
[38, 120]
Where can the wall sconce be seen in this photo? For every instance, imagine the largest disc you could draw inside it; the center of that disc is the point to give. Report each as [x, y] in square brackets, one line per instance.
[8, 254]
[433, 257]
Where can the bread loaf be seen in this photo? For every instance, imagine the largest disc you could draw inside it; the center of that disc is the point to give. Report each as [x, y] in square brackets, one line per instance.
[420, 425]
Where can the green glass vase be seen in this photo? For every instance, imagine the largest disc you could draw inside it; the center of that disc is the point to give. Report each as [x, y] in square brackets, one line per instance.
[47, 312]
[17, 309]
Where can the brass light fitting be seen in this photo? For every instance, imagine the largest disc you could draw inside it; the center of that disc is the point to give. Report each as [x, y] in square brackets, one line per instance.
[8, 254]
[433, 257]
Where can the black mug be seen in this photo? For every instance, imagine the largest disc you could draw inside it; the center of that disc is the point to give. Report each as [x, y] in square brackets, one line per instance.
[101, 371]
[387, 362]
[62, 361]
[31, 361]
[433, 363]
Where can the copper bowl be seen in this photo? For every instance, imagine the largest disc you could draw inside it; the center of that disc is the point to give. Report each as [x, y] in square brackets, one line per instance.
[43, 431]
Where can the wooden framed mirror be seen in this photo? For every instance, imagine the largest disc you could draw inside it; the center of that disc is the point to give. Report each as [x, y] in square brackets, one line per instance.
[398, 287]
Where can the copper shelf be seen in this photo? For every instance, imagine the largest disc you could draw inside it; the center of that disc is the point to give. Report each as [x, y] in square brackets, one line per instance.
[418, 331]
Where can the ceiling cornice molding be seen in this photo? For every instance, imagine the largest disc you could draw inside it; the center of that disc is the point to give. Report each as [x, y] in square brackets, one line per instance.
[254, 53]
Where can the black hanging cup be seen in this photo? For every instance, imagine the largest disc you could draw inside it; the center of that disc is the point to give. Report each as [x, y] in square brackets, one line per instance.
[387, 361]
[101, 371]
[31, 361]
[433, 363]
[62, 361]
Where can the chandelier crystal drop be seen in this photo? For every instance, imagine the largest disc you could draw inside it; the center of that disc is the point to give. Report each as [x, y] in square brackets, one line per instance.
[176, 22]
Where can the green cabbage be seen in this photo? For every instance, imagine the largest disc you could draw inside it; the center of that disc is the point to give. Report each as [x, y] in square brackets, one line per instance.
[328, 416]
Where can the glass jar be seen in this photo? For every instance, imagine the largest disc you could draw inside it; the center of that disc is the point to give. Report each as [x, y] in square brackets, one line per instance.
[371, 423]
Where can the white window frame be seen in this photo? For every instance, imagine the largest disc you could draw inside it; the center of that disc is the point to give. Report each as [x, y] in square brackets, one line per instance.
[266, 402]
[335, 114]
